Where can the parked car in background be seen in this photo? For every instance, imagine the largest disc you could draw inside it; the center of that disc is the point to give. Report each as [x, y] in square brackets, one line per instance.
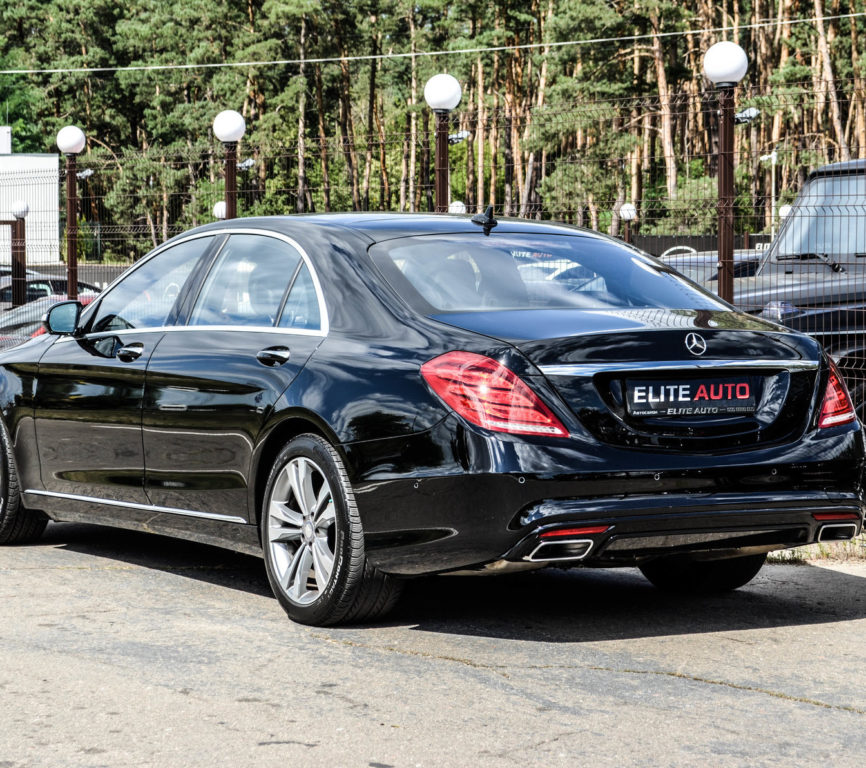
[703, 266]
[365, 398]
[6, 271]
[22, 323]
[38, 287]
[813, 276]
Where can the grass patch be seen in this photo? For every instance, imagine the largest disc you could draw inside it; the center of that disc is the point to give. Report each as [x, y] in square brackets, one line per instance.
[855, 549]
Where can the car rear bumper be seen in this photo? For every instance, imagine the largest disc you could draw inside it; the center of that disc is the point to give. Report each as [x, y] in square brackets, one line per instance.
[459, 512]
[451, 535]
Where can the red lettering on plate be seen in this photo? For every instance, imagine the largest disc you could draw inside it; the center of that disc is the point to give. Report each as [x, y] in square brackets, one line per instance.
[742, 391]
[701, 394]
[713, 395]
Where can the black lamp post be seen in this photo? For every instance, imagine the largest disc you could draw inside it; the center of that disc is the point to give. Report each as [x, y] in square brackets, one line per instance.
[229, 127]
[725, 64]
[442, 94]
[71, 141]
[19, 254]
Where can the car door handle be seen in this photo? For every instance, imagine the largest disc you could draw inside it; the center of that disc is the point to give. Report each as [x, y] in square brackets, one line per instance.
[274, 356]
[130, 352]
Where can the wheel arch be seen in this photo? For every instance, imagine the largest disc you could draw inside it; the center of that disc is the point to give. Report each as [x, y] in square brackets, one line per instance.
[289, 426]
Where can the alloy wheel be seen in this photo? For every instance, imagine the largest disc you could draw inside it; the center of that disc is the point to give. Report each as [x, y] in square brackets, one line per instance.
[302, 530]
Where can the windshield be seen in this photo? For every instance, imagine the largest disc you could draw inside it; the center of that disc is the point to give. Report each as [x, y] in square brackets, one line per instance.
[474, 272]
[828, 218]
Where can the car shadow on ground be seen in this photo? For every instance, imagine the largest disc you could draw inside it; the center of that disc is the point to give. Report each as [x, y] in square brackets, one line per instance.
[551, 605]
[586, 605]
[212, 565]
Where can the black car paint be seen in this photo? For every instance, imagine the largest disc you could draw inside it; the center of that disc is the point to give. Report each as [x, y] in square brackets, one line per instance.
[434, 493]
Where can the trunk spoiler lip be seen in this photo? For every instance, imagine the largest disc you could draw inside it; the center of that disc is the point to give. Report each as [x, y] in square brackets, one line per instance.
[591, 369]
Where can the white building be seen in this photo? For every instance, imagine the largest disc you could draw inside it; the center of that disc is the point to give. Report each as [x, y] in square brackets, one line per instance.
[35, 180]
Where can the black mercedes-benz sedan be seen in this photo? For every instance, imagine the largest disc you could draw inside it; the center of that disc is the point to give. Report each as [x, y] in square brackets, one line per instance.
[363, 398]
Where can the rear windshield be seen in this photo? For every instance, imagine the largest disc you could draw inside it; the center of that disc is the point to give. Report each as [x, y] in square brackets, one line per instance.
[469, 272]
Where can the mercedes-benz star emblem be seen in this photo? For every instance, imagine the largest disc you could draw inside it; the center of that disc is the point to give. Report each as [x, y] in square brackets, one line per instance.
[695, 344]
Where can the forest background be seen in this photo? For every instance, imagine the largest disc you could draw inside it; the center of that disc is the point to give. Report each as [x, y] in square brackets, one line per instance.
[569, 109]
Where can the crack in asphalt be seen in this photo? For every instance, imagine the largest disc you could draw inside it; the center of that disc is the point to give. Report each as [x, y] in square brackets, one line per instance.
[499, 669]
[726, 684]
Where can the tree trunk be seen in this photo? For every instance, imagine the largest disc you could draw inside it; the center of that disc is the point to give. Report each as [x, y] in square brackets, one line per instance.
[859, 105]
[302, 107]
[371, 110]
[404, 164]
[830, 82]
[427, 186]
[323, 141]
[479, 135]
[665, 108]
[384, 181]
[413, 115]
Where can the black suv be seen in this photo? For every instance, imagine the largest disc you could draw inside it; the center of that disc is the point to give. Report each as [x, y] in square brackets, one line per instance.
[813, 276]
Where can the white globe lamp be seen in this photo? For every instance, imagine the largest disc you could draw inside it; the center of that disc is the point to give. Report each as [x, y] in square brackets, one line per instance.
[20, 209]
[71, 140]
[442, 93]
[725, 64]
[229, 126]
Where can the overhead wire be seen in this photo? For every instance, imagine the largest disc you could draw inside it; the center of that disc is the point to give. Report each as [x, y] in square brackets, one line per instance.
[427, 54]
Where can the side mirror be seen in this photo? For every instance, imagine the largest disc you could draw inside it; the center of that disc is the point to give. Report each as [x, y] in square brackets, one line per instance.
[62, 318]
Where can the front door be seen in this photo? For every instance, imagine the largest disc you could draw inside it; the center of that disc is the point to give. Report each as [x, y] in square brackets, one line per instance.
[89, 388]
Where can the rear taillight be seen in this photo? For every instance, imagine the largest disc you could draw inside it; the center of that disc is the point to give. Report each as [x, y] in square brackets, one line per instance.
[572, 532]
[836, 408]
[486, 393]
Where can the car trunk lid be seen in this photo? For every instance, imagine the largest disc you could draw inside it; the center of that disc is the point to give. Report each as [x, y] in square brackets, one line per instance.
[669, 379]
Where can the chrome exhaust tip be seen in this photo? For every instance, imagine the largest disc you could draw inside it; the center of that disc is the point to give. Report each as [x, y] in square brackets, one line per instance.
[837, 532]
[561, 549]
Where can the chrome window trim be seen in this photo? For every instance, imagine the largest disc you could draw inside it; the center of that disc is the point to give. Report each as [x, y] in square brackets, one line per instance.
[324, 320]
[193, 328]
[591, 369]
[144, 507]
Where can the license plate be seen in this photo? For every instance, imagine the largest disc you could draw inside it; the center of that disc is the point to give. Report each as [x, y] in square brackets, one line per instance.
[703, 397]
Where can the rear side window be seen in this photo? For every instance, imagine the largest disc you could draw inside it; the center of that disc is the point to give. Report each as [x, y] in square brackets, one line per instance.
[248, 282]
[302, 307]
[474, 273]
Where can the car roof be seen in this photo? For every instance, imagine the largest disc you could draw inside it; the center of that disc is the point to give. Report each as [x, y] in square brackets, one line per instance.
[377, 227]
[836, 169]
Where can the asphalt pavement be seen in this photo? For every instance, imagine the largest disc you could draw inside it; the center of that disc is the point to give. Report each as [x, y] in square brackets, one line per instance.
[121, 649]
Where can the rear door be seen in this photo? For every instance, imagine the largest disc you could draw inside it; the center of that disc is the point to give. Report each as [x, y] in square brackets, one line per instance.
[212, 381]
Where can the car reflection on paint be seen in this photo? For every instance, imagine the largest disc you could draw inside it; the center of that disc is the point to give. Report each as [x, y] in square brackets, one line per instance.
[366, 398]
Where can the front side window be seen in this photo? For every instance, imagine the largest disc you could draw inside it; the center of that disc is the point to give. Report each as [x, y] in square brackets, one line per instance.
[247, 283]
[476, 273]
[146, 296]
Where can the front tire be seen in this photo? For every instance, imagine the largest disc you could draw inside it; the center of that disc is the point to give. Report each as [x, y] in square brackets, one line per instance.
[18, 525]
[702, 577]
[314, 543]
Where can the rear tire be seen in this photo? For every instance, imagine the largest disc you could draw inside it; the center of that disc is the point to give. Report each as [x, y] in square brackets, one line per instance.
[700, 577]
[17, 524]
[314, 543]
